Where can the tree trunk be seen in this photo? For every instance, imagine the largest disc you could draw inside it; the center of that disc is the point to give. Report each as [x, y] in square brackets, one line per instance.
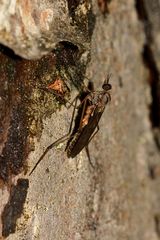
[67, 198]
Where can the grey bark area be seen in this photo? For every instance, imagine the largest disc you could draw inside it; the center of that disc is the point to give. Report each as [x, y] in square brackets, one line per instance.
[32, 29]
[66, 198]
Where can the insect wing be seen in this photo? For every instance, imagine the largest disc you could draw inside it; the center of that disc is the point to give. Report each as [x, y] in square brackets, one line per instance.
[81, 138]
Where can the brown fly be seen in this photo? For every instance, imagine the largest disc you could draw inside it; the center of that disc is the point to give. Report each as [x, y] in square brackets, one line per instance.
[93, 107]
[86, 126]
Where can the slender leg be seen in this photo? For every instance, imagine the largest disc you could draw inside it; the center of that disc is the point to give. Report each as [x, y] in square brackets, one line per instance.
[87, 149]
[94, 134]
[73, 114]
[88, 155]
[50, 91]
[59, 95]
[71, 103]
[60, 140]
[57, 142]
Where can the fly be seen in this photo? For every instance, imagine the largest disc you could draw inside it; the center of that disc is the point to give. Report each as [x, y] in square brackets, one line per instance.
[93, 107]
[90, 111]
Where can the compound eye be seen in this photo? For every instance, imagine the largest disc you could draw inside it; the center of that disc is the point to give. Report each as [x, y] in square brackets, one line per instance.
[106, 86]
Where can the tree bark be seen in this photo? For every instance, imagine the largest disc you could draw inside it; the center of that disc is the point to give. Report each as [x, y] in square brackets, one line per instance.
[66, 198]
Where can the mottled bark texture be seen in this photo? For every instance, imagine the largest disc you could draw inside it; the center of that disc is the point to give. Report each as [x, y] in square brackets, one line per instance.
[32, 28]
[66, 199]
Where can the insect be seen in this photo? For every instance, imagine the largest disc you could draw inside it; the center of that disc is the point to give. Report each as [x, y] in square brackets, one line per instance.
[93, 107]
[86, 126]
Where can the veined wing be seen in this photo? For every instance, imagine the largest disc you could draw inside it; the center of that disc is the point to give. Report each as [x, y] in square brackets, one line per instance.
[82, 136]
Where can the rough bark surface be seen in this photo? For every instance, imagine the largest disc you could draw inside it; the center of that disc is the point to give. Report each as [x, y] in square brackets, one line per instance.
[32, 28]
[67, 198]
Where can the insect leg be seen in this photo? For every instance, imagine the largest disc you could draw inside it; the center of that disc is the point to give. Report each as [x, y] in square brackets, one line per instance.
[73, 114]
[87, 149]
[94, 134]
[88, 155]
[71, 103]
[60, 140]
